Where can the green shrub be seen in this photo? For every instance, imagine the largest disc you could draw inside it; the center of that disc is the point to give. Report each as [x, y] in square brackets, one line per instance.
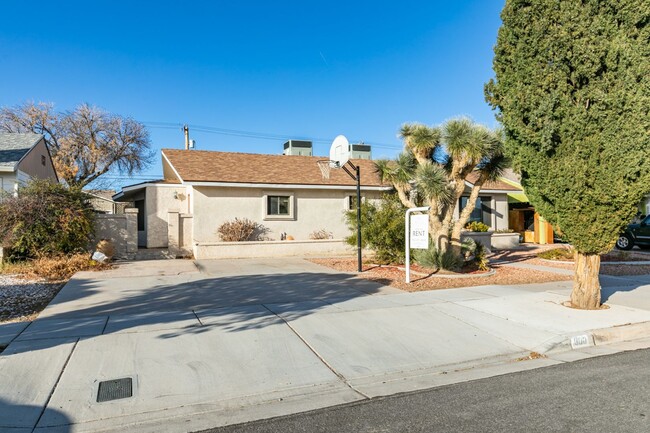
[45, 218]
[557, 254]
[477, 226]
[382, 228]
[480, 257]
[432, 258]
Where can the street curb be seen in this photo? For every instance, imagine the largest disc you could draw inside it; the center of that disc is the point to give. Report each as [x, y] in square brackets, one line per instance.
[595, 337]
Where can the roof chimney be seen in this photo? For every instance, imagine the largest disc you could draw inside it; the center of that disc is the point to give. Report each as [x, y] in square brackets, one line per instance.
[186, 130]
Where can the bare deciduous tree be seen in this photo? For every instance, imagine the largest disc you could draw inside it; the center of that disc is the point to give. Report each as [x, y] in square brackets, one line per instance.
[85, 143]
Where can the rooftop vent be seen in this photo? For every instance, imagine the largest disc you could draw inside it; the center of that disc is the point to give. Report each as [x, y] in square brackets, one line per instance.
[360, 151]
[298, 147]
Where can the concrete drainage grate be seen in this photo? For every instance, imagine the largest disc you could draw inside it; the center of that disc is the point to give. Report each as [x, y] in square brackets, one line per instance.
[115, 389]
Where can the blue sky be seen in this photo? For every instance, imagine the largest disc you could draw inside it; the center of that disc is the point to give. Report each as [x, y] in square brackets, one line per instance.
[279, 70]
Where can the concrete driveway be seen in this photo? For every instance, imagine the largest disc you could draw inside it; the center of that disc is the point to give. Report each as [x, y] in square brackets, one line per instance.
[211, 343]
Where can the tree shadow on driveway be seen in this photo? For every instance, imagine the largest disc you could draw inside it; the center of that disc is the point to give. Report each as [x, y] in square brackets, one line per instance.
[190, 305]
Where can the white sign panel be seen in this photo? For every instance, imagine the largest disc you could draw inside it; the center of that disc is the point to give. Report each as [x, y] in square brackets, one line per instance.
[419, 236]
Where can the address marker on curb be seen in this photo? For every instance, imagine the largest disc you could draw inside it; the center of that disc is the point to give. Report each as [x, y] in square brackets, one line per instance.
[580, 341]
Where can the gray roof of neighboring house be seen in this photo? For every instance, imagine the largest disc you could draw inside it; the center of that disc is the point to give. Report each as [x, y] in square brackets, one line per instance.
[13, 146]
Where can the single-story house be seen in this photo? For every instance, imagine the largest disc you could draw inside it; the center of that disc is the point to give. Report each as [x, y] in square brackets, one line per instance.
[287, 194]
[23, 156]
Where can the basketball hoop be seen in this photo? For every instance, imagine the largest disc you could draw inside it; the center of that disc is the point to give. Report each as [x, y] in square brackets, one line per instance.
[325, 167]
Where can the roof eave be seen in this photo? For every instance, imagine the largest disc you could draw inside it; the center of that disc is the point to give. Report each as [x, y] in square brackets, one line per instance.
[285, 186]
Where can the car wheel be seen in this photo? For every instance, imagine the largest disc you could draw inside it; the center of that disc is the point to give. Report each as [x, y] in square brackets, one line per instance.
[624, 242]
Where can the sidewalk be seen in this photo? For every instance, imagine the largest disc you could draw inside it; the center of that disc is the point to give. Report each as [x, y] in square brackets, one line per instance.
[232, 341]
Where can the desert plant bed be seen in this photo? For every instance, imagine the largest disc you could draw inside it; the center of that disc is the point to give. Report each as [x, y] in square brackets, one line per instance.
[392, 276]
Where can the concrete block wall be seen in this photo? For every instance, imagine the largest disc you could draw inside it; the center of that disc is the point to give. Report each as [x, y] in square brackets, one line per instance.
[122, 230]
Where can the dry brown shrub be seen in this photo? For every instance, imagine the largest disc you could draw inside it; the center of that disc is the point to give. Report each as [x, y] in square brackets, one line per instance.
[106, 247]
[58, 268]
[320, 234]
[240, 230]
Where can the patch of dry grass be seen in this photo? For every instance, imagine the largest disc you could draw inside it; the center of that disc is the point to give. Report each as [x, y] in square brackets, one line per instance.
[58, 268]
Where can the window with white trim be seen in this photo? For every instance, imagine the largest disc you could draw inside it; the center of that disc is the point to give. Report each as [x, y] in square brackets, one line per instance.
[279, 206]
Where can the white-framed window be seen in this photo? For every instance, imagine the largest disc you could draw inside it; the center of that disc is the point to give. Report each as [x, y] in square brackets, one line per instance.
[279, 206]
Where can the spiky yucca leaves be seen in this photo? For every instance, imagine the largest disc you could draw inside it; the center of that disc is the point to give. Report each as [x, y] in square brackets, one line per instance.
[434, 166]
[420, 140]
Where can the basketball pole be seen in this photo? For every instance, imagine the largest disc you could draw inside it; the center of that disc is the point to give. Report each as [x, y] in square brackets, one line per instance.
[359, 267]
[356, 176]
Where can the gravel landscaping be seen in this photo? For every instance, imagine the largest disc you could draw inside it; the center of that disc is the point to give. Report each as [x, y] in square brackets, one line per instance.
[22, 300]
[505, 275]
[394, 277]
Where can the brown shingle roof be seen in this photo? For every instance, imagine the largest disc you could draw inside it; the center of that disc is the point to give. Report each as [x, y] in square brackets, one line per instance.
[493, 185]
[210, 166]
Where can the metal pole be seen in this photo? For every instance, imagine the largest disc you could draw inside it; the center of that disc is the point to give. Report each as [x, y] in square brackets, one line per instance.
[358, 173]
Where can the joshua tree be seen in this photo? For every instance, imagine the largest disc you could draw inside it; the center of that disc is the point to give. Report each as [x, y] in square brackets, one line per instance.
[432, 169]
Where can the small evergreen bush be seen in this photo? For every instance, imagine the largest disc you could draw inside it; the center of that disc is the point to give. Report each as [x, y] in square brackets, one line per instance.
[432, 258]
[565, 254]
[382, 228]
[477, 226]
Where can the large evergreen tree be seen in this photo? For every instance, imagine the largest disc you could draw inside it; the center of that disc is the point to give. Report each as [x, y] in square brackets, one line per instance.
[572, 90]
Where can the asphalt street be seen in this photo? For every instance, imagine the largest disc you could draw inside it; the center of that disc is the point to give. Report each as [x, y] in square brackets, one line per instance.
[603, 394]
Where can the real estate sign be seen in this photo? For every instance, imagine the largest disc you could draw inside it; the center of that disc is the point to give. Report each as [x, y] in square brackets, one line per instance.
[419, 232]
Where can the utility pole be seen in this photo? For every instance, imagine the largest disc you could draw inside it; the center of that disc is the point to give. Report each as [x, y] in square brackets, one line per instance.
[186, 130]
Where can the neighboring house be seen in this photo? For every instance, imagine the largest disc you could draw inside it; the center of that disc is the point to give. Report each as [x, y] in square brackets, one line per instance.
[23, 156]
[492, 204]
[522, 217]
[287, 194]
[102, 201]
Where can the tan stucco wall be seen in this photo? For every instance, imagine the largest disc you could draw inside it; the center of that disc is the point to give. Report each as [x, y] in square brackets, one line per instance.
[121, 230]
[314, 210]
[235, 250]
[500, 211]
[159, 201]
[31, 163]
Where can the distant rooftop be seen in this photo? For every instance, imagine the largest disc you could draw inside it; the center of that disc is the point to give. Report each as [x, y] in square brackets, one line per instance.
[14, 145]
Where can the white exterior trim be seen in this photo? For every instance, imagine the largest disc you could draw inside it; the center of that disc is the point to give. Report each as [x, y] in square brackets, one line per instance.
[287, 186]
[143, 186]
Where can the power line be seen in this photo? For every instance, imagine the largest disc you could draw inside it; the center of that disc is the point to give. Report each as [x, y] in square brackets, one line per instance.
[252, 134]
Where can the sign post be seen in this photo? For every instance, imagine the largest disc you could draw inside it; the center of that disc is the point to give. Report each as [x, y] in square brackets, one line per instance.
[417, 235]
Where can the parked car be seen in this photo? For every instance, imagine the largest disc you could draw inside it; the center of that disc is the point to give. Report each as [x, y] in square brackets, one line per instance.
[635, 234]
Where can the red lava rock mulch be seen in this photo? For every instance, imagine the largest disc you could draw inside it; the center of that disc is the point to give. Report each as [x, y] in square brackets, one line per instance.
[391, 276]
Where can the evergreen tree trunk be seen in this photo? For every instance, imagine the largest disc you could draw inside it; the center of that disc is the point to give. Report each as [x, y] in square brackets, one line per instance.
[586, 286]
